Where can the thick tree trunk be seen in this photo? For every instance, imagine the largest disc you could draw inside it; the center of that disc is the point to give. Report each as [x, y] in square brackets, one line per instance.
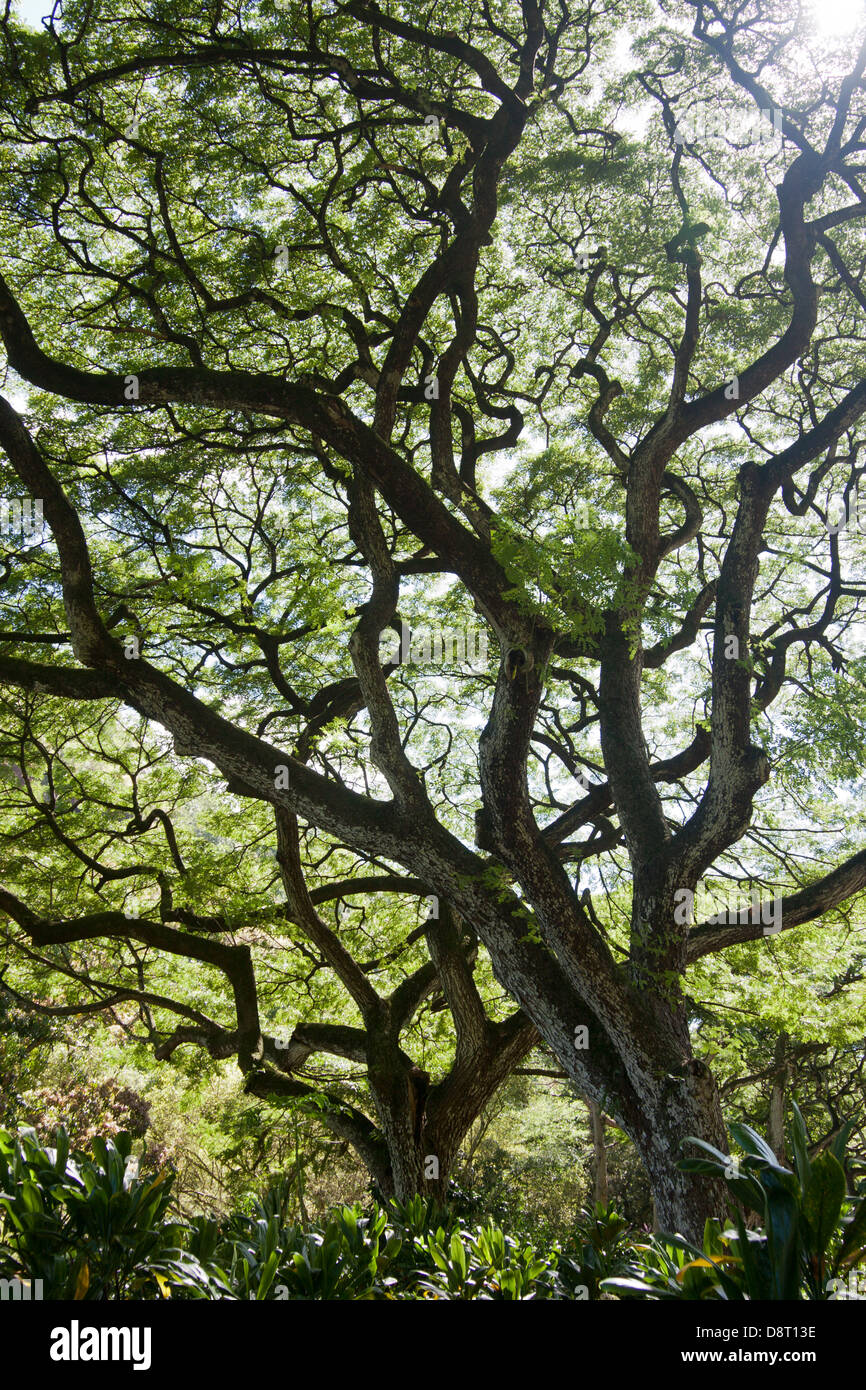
[418, 1163]
[411, 1169]
[683, 1106]
[424, 1125]
[421, 1155]
[399, 1092]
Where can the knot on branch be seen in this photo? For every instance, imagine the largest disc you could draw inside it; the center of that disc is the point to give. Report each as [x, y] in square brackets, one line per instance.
[759, 766]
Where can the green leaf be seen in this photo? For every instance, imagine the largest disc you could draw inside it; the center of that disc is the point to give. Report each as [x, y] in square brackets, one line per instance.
[62, 1154]
[854, 1238]
[721, 1158]
[839, 1143]
[751, 1143]
[782, 1238]
[823, 1199]
[458, 1254]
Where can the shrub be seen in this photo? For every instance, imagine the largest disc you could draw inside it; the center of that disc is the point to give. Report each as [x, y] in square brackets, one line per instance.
[804, 1243]
[88, 1227]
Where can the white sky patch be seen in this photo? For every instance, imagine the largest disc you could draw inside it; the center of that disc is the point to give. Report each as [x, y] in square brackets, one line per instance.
[31, 12]
[836, 18]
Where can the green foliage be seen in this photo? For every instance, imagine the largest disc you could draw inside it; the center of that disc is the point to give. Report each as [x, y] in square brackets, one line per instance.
[565, 576]
[227, 540]
[485, 1264]
[804, 1241]
[600, 1248]
[410, 1250]
[88, 1226]
[346, 1258]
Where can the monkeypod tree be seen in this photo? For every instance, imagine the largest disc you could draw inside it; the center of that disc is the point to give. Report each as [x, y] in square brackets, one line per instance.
[562, 348]
[215, 935]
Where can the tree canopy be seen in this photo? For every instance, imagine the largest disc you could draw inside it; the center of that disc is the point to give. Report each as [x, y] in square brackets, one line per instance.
[432, 566]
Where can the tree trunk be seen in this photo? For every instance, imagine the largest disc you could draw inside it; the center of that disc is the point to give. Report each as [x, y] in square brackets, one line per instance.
[683, 1106]
[776, 1119]
[399, 1092]
[599, 1153]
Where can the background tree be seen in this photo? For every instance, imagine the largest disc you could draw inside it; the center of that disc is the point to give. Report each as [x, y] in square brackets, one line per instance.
[516, 349]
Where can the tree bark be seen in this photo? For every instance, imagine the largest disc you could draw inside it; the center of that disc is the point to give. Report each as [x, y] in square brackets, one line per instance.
[599, 1153]
[776, 1120]
[684, 1106]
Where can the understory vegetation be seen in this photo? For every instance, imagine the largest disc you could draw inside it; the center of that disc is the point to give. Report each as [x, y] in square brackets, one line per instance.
[111, 1196]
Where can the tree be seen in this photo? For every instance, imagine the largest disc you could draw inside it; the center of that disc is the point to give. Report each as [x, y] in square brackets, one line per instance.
[282, 957]
[483, 359]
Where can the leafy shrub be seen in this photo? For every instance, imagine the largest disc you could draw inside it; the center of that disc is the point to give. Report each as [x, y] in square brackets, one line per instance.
[409, 1250]
[344, 1258]
[804, 1242]
[453, 1260]
[600, 1248]
[87, 1110]
[88, 1227]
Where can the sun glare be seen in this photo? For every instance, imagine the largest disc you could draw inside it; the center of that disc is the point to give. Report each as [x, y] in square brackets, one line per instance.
[834, 18]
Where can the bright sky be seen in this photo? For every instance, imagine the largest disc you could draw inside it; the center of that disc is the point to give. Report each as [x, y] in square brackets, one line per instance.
[833, 17]
[30, 12]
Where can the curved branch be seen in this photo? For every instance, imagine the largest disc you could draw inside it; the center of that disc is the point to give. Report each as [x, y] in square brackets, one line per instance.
[806, 905]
